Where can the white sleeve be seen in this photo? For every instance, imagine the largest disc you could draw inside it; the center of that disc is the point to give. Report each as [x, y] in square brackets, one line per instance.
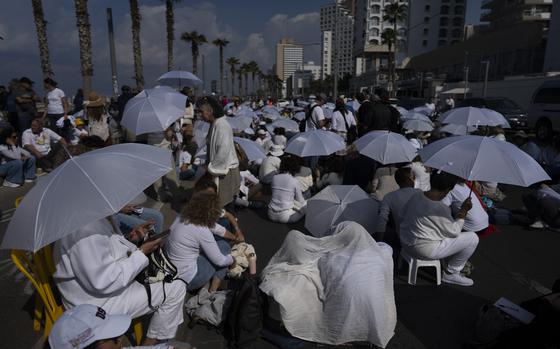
[210, 248]
[319, 115]
[218, 230]
[26, 139]
[53, 134]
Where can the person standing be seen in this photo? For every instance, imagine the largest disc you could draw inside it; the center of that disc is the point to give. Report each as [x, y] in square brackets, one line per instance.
[25, 103]
[125, 96]
[57, 104]
[11, 105]
[316, 118]
[364, 114]
[343, 122]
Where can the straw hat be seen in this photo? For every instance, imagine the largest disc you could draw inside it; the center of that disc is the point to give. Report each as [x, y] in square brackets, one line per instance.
[277, 150]
[94, 100]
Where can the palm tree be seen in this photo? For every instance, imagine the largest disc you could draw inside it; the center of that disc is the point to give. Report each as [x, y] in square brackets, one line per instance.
[221, 43]
[240, 72]
[136, 48]
[232, 62]
[245, 69]
[253, 68]
[196, 40]
[394, 13]
[170, 22]
[84, 34]
[41, 25]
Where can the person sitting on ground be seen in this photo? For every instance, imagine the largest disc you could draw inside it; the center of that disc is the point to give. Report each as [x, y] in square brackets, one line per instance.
[287, 204]
[71, 129]
[97, 117]
[104, 331]
[543, 206]
[97, 265]
[305, 179]
[476, 219]
[39, 142]
[384, 182]
[394, 202]
[249, 189]
[186, 170]
[279, 137]
[333, 175]
[428, 230]
[191, 246]
[271, 164]
[263, 140]
[521, 140]
[359, 170]
[16, 164]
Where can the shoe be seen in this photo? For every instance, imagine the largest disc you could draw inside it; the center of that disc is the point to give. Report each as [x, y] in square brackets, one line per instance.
[538, 225]
[256, 205]
[30, 180]
[456, 279]
[9, 184]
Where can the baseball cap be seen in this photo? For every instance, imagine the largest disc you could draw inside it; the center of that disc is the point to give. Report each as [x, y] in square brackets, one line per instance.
[80, 326]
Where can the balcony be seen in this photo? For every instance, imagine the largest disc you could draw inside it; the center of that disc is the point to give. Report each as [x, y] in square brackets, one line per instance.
[539, 2]
[536, 16]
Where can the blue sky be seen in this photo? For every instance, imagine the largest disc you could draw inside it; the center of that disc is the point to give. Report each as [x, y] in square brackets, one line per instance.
[252, 26]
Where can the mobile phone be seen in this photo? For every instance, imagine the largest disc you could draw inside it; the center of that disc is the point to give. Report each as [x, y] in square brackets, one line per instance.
[163, 234]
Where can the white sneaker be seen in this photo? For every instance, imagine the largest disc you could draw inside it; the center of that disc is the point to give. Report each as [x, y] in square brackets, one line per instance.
[29, 180]
[456, 279]
[538, 225]
[10, 184]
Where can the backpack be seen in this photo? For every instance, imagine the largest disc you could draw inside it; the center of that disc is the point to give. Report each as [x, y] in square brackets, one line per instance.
[159, 269]
[308, 115]
[351, 132]
[244, 321]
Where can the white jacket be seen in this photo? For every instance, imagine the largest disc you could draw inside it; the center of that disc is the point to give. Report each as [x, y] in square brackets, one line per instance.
[221, 150]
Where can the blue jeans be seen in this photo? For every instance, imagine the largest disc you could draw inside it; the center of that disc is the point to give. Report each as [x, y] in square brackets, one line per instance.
[16, 170]
[205, 270]
[128, 221]
[188, 174]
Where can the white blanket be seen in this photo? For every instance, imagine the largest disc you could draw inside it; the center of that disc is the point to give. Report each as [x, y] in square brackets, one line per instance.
[335, 289]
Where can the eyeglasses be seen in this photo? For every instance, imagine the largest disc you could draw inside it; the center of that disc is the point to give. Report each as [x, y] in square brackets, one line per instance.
[14, 136]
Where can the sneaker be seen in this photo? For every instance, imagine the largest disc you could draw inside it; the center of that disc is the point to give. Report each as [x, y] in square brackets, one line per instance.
[9, 184]
[538, 225]
[30, 180]
[456, 279]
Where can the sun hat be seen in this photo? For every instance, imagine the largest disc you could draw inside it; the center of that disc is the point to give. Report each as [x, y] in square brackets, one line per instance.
[81, 326]
[94, 100]
[277, 150]
[261, 132]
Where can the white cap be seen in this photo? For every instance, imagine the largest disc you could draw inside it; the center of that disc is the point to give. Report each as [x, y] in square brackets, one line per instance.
[277, 150]
[261, 132]
[80, 326]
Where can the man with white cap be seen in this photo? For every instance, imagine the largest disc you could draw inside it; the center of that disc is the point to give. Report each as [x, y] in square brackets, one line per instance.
[90, 327]
[262, 139]
[271, 164]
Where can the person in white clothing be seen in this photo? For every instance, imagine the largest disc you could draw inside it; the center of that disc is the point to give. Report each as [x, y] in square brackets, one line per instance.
[279, 137]
[476, 219]
[305, 180]
[57, 103]
[421, 174]
[287, 204]
[342, 119]
[316, 120]
[333, 173]
[263, 140]
[97, 265]
[428, 230]
[270, 166]
[40, 142]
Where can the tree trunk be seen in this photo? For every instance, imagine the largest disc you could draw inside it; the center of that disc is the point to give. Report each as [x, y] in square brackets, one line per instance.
[393, 75]
[221, 70]
[232, 84]
[240, 77]
[246, 81]
[41, 25]
[84, 35]
[170, 32]
[136, 47]
[195, 63]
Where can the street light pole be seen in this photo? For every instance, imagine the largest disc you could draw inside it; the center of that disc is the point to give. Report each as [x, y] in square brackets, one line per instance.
[485, 89]
[114, 81]
[466, 70]
[335, 53]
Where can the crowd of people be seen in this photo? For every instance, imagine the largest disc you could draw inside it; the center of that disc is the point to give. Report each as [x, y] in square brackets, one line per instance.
[433, 215]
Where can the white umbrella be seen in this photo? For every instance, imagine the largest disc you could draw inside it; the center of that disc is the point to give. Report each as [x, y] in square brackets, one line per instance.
[457, 130]
[423, 110]
[246, 112]
[416, 116]
[287, 124]
[299, 116]
[483, 159]
[239, 123]
[401, 110]
[328, 113]
[315, 143]
[82, 190]
[339, 203]
[270, 113]
[386, 147]
[496, 118]
[469, 116]
[251, 149]
[153, 110]
[179, 78]
[418, 125]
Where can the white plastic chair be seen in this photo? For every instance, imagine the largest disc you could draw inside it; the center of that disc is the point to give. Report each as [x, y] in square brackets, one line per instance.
[414, 264]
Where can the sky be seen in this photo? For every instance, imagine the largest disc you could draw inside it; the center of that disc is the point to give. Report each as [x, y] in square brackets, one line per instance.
[253, 27]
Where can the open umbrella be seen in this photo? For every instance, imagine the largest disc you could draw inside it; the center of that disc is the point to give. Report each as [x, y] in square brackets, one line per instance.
[483, 159]
[315, 143]
[179, 78]
[423, 110]
[270, 113]
[469, 116]
[418, 125]
[251, 149]
[401, 110]
[287, 124]
[246, 112]
[239, 123]
[339, 203]
[416, 116]
[299, 116]
[386, 147]
[153, 110]
[496, 119]
[82, 190]
[457, 130]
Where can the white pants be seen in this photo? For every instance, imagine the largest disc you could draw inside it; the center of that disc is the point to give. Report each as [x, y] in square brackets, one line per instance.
[286, 216]
[169, 314]
[457, 251]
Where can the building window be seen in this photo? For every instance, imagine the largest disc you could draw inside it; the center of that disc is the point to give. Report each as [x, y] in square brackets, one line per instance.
[426, 19]
[424, 43]
[442, 33]
[425, 32]
[444, 10]
[442, 43]
[427, 8]
[459, 10]
[375, 21]
[376, 9]
[457, 22]
[456, 33]
[444, 21]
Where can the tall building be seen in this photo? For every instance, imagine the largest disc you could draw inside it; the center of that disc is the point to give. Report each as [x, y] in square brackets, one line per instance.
[552, 57]
[337, 27]
[503, 13]
[289, 58]
[314, 69]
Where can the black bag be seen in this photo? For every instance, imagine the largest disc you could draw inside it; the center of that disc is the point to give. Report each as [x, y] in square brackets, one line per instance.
[244, 321]
[492, 323]
[351, 132]
[159, 269]
[308, 115]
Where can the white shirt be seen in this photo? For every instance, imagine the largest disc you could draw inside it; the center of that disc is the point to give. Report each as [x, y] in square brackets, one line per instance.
[41, 141]
[285, 191]
[185, 244]
[317, 116]
[247, 179]
[12, 153]
[94, 264]
[185, 158]
[269, 168]
[338, 123]
[54, 100]
[422, 176]
[265, 143]
[477, 218]
[77, 134]
[393, 203]
[304, 178]
[280, 140]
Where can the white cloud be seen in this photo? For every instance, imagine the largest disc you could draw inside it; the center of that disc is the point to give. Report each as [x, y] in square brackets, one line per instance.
[256, 50]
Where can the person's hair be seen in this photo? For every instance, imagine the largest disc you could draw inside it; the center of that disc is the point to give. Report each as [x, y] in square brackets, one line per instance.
[95, 344]
[37, 120]
[6, 133]
[442, 181]
[51, 82]
[280, 131]
[205, 182]
[95, 113]
[290, 164]
[340, 106]
[217, 109]
[402, 175]
[93, 142]
[203, 209]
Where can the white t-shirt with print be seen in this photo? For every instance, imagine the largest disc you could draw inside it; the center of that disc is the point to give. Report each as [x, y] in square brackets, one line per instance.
[54, 99]
[41, 141]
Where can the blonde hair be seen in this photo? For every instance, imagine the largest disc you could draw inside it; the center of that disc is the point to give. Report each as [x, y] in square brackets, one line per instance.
[203, 209]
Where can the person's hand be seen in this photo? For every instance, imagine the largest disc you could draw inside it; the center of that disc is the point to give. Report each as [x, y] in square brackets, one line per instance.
[239, 237]
[128, 209]
[467, 204]
[150, 246]
[139, 233]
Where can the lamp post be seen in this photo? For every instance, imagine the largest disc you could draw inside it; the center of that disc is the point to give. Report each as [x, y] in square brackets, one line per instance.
[485, 89]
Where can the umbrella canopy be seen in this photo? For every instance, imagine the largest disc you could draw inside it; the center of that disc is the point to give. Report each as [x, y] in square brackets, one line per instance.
[386, 147]
[416, 116]
[82, 190]
[153, 110]
[299, 116]
[401, 110]
[315, 143]
[328, 113]
[496, 118]
[423, 110]
[469, 116]
[239, 123]
[418, 125]
[251, 149]
[483, 159]
[179, 78]
[287, 124]
[457, 130]
[339, 203]
[270, 113]
[246, 112]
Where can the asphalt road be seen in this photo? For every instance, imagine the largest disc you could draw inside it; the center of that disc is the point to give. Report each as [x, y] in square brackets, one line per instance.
[515, 263]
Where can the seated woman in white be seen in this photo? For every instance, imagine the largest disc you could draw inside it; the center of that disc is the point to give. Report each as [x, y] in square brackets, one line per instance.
[287, 204]
[429, 231]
